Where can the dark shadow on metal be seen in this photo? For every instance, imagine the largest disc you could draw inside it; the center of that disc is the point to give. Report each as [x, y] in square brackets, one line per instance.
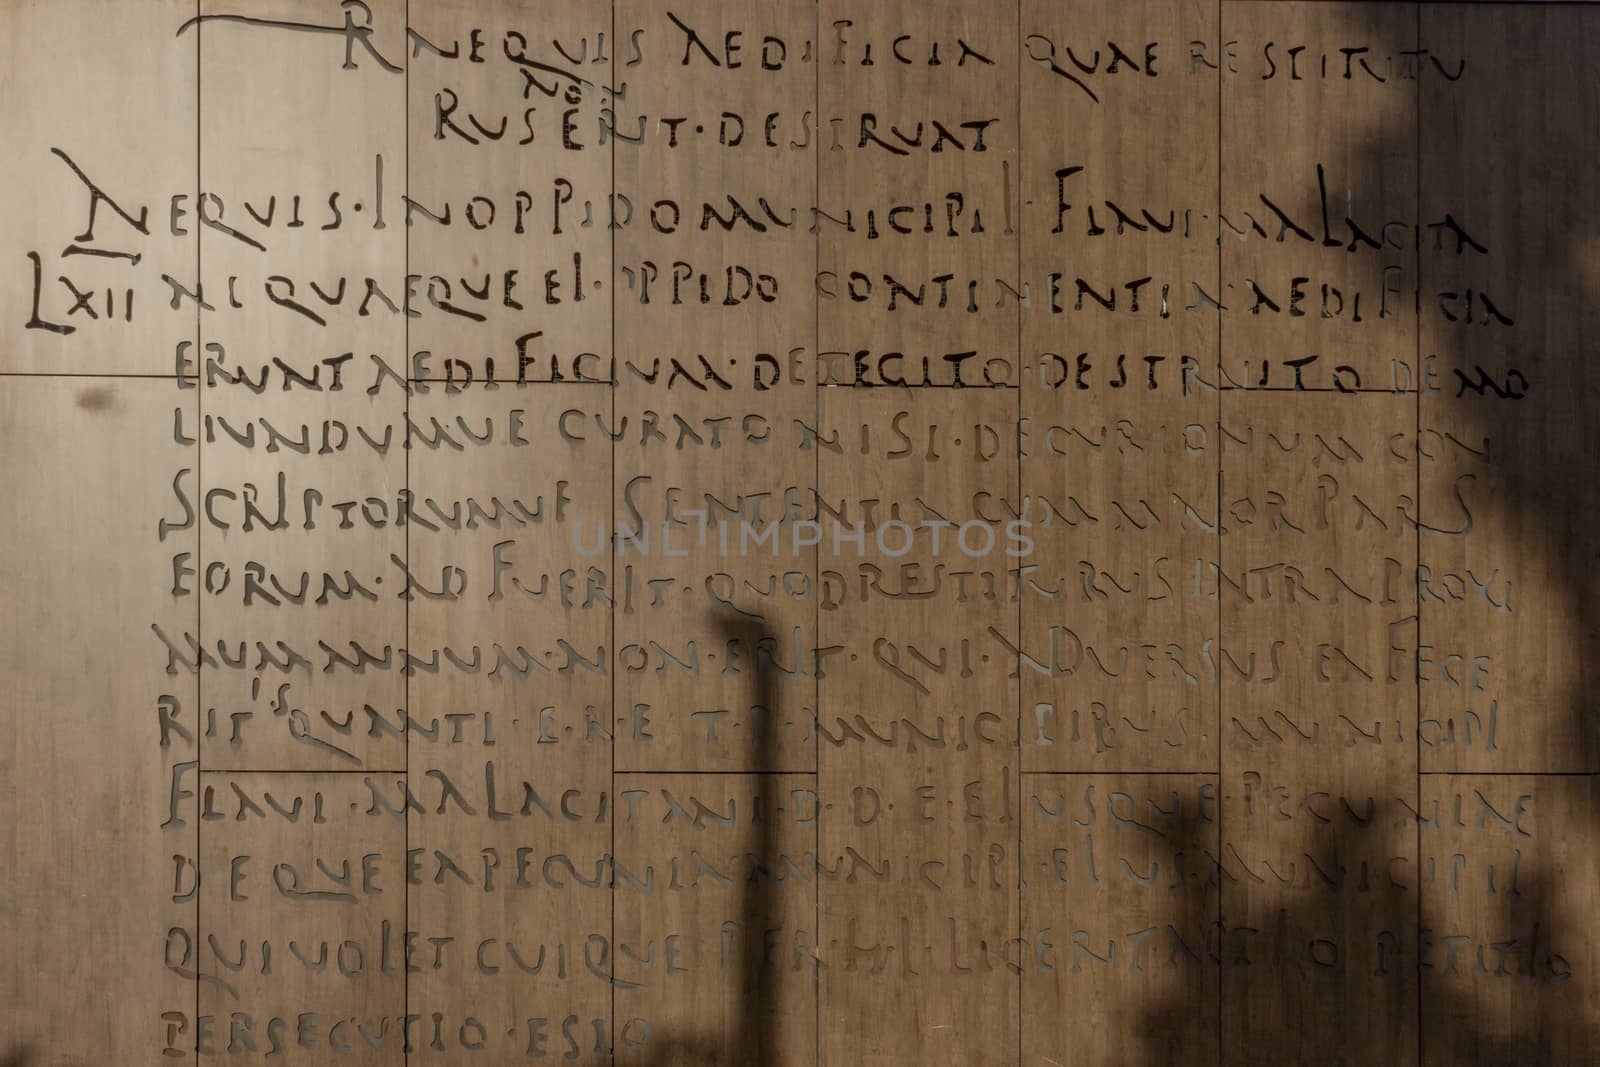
[1536, 488]
[755, 1038]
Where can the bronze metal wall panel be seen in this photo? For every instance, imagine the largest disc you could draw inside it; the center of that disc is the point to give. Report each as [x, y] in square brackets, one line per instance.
[798, 533]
